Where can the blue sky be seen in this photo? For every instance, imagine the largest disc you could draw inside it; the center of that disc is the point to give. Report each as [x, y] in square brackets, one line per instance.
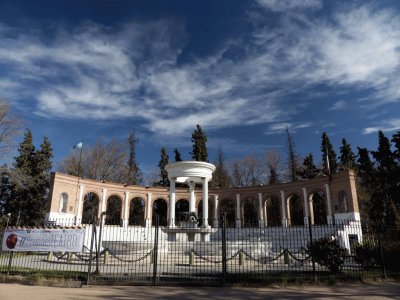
[79, 70]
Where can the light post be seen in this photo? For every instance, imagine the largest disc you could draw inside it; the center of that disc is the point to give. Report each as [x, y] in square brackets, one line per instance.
[8, 219]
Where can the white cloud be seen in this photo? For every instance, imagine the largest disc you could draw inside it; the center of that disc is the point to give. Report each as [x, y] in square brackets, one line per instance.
[285, 5]
[94, 72]
[279, 128]
[387, 126]
[339, 105]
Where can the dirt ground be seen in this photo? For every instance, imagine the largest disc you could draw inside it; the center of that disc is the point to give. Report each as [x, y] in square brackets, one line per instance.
[387, 289]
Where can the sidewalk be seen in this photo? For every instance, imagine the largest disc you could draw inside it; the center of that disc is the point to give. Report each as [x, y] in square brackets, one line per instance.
[376, 290]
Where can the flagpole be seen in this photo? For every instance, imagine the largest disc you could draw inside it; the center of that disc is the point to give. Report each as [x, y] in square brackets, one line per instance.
[80, 159]
[77, 184]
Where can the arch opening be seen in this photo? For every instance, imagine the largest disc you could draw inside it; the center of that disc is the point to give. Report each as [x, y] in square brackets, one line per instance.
[136, 212]
[319, 208]
[295, 211]
[160, 210]
[114, 210]
[90, 208]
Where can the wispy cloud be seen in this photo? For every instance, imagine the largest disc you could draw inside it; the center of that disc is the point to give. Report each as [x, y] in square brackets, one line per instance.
[339, 105]
[285, 5]
[386, 126]
[279, 128]
[134, 72]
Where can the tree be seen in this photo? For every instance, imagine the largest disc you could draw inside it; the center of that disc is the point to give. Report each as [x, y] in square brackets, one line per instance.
[135, 174]
[6, 189]
[163, 173]
[386, 192]
[273, 159]
[249, 171]
[347, 158]
[292, 156]
[221, 175]
[328, 155]
[309, 170]
[30, 182]
[396, 141]
[199, 140]
[10, 127]
[105, 161]
[177, 155]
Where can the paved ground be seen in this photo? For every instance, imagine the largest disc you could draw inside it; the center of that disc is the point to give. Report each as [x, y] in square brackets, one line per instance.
[376, 290]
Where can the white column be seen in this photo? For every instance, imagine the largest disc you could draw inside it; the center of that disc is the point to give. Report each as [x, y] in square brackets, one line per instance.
[103, 200]
[79, 208]
[205, 202]
[126, 211]
[260, 211]
[172, 203]
[306, 213]
[283, 209]
[148, 211]
[238, 218]
[216, 216]
[192, 199]
[265, 214]
[328, 204]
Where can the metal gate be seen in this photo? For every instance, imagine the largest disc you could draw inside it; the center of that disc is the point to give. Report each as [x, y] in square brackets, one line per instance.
[151, 259]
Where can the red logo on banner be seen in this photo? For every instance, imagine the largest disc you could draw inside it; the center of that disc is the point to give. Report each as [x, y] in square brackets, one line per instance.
[11, 241]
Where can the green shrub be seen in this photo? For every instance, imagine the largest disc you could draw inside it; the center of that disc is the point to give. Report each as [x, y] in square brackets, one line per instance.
[327, 252]
[367, 254]
[391, 253]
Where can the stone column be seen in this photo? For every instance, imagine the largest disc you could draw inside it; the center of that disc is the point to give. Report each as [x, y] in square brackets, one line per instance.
[205, 202]
[103, 204]
[260, 211]
[283, 209]
[148, 210]
[266, 213]
[192, 199]
[79, 208]
[125, 221]
[216, 208]
[172, 203]
[238, 210]
[306, 214]
[310, 205]
[328, 204]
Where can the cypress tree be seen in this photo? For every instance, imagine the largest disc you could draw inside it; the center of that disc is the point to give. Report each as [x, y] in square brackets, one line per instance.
[177, 155]
[396, 141]
[347, 158]
[328, 154]
[30, 181]
[292, 156]
[163, 162]
[199, 140]
[273, 175]
[385, 201]
[135, 174]
[309, 170]
[221, 176]
[6, 189]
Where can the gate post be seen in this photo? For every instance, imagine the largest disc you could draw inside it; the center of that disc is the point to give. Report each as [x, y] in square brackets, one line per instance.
[224, 249]
[311, 246]
[91, 252]
[155, 252]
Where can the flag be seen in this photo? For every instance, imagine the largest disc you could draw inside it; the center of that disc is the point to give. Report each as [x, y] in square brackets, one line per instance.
[79, 145]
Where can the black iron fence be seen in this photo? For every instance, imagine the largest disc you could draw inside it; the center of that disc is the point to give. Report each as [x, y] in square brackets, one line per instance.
[215, 256]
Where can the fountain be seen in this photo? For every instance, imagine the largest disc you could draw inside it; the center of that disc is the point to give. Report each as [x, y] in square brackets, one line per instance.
[189, 172]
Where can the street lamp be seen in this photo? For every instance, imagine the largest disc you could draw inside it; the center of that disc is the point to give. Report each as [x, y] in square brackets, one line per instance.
[8, 219]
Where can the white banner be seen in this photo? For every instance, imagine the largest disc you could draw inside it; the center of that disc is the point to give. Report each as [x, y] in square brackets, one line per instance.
[56, 240]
